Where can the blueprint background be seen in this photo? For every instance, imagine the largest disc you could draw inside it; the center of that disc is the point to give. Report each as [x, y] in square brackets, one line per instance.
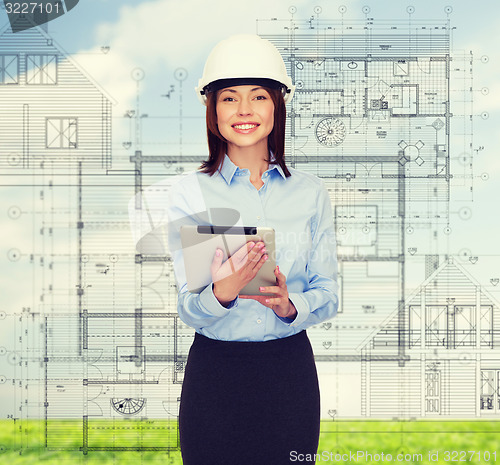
[147, 35]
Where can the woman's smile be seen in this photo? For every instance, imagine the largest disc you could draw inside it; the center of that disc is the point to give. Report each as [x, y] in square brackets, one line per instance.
[245, 128]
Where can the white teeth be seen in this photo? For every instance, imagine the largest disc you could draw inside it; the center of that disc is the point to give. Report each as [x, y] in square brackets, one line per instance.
[245, 126]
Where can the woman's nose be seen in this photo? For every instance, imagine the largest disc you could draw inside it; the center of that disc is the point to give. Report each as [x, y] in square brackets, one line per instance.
[244, 108]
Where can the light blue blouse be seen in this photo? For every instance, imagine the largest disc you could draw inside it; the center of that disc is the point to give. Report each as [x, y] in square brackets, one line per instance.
[299, 210]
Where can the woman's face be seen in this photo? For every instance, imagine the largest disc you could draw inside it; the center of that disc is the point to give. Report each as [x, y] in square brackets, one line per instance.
[245, 116]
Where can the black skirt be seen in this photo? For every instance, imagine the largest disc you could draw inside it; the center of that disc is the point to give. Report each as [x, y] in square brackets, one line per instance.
[249, 403]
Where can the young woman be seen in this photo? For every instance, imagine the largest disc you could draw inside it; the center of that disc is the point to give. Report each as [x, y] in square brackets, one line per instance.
[250, 393]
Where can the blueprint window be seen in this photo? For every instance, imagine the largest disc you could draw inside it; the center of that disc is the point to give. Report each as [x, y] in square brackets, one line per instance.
[9, 69]
[41, 69]
[490, 390]
[487, 325]
[450, 326]
[61, 133]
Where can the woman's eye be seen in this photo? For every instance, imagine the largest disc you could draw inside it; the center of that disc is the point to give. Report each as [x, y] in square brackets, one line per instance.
[227, 99]
[261, 97]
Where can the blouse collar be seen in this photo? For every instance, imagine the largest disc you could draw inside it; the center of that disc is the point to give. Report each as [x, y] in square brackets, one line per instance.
[228, 169]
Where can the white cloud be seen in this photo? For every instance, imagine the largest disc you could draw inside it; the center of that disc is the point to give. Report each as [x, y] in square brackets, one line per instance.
[177, 33]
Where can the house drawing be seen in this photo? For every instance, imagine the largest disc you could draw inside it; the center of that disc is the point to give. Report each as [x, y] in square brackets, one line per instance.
[448, 342]
[53, 114]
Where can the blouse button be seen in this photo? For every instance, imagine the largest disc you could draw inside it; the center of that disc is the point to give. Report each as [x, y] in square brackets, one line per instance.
[259, 321]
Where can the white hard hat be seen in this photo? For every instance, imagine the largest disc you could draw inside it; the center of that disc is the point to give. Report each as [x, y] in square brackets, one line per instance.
[244, 59]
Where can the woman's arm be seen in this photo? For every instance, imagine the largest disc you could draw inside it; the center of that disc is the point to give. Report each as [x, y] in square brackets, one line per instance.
[186, 206]
[228, 278]
[320, 301]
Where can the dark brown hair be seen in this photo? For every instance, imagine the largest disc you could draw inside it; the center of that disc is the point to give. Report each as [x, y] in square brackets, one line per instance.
[217, 145]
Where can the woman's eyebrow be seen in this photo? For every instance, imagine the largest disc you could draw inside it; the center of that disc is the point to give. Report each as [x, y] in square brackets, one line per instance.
[235, 91]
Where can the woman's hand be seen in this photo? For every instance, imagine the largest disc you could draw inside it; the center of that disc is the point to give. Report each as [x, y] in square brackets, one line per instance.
[234, 274]
[280, 304]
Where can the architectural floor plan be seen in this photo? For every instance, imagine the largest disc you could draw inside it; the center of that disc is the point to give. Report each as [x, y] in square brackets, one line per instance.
[382, 112]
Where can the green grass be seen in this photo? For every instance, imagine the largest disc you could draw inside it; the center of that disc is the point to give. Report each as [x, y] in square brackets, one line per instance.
[24, 442]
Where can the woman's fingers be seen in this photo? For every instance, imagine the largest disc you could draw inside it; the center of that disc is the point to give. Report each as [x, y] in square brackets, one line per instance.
[275, 301]
[258, 298]
[240, 256]
[272, 290]
[255, 253]
[279, 302]
[249, 256]
[245, 253]
[258, 261]
[216, 262]
[244, 264]
[280, 276]
[281, 288]
[220, 270]
[254, 264]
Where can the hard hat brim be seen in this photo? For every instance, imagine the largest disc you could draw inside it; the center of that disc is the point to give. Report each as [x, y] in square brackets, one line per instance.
[231, 82]
[288, 91]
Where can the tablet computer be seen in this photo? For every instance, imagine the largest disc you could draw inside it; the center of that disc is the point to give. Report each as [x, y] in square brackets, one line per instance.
[199, 243]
